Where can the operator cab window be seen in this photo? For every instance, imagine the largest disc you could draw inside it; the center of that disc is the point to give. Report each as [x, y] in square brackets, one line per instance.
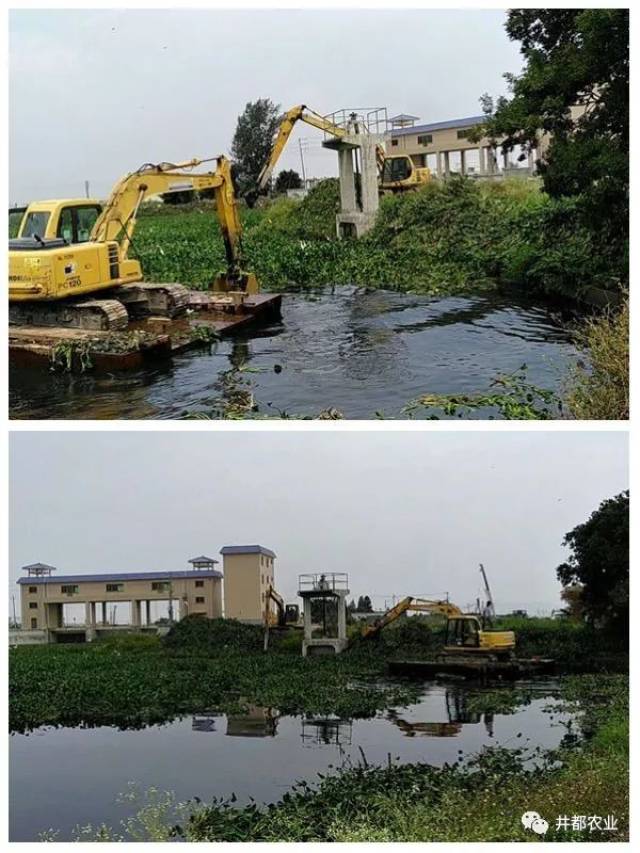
[396, 169]
[75, 223]
[35, 224]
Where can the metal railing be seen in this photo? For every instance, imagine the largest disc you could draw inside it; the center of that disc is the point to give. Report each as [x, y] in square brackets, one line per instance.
[361, 119]
[323, 582]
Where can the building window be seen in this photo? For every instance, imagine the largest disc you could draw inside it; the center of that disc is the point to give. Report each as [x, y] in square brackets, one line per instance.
[462, 134]
[115, 587]
[426, 139]
[33, 605]
[160, 586]
[34, 624]
[394, 142]
[69, 589]
[33, 589]
[199, 583]
[199, 599]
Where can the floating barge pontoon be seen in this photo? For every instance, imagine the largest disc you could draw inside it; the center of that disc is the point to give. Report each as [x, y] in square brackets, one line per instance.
[149, 339]
[508, 670]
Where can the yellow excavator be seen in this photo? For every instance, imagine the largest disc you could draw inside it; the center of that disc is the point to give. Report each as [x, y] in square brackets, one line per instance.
[68, 252]
[465, 633]
[285, 614]
[397, 173]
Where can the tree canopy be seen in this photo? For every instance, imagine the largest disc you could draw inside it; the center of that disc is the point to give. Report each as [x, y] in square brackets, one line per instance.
[288, 179]
[573, 57]
[252, 141]
[599, 562]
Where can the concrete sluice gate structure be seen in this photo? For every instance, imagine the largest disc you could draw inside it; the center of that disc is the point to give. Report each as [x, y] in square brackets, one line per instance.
[324, 612]
[239, 591]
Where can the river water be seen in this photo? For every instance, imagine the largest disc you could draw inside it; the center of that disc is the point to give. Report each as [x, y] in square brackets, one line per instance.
[63, 777]
[358, 351]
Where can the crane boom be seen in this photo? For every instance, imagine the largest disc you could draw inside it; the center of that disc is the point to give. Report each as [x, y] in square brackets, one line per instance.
[490, 605]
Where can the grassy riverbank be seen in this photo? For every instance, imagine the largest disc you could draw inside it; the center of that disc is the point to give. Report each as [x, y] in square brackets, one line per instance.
[456, 237]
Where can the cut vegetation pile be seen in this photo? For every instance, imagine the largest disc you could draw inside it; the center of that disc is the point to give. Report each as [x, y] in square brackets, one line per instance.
[195, 634]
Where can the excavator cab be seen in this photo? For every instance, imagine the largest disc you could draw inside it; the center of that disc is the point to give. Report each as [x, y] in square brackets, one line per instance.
[463, 632]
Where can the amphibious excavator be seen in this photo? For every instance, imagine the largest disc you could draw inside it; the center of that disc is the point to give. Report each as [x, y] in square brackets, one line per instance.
[69, 264]
[465, 632]
[397, 173]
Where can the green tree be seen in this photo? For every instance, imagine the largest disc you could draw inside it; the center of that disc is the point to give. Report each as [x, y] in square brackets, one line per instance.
[599, 562]
[573, 56]
[288, 179]
[252, 142]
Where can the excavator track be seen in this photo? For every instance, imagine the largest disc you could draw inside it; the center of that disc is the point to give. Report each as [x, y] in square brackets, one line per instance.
[93, 315]
[147, 298]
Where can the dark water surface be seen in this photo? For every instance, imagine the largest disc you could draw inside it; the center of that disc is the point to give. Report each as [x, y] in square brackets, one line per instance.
[358, 351]
[63, 777]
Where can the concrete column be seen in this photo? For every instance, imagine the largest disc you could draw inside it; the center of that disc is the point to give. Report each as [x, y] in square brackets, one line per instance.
[135, 613]
[148, 613]
[342, 618]
[369, 176]
[482, 163]
[439, 163]
[105, 619]
[463, 162]
[447, 170]
[87, 613]
[93, 614]
[491, 161]
[505, 159]
[531, 162]
[306, 613]
[347, 180]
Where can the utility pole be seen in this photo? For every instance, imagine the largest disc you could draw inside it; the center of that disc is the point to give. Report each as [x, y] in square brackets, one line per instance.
[86, 189]
[13, 602]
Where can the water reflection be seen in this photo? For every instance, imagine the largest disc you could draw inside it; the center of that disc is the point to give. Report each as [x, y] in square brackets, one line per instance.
[327, 731]
[256, 721]
[356, 350]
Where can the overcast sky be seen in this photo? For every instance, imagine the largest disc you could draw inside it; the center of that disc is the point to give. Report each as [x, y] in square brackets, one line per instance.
[94, 94]
[402, 513]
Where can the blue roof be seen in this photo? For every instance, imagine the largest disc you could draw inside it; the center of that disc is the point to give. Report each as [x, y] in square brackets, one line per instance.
[123, 576]
[246, 549]
[439, 125]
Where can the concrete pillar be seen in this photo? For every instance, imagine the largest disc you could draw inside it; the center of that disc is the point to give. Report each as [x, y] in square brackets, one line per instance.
[491, 161]
[439, 163]
[135, 613]
[369, 176]
[105, 618]
[93, 614]
[447, 170]
[342, 618]
[531, 161]
[505, 159]
[306, 614]
[482, 165]
[87, 613]
[347, 180]
[463, 162]
[148, 613]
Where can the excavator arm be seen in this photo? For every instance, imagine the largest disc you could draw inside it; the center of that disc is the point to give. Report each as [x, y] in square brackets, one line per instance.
[421, 605]
[118, 218]
[289, 121]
